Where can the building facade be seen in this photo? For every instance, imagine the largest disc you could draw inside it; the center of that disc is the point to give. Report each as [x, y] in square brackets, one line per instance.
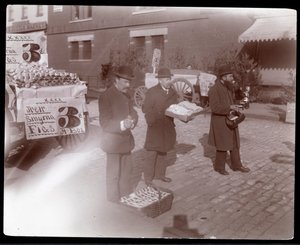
[81, 38]
[26, 40]
[26, 18]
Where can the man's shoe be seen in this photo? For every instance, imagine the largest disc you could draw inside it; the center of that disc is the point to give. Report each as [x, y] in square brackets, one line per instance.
[165, 179]
[242, 169]
[223, 171]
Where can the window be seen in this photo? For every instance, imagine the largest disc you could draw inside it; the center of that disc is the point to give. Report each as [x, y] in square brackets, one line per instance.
[86, 50]
[158, 42]
[39, 11]
[139, 43]
[24, 12]
[80, 47]
[10, 13]
[74, 52]
[81, 12]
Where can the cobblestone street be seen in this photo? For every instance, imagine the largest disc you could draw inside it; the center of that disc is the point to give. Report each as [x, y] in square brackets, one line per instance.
[255, 205]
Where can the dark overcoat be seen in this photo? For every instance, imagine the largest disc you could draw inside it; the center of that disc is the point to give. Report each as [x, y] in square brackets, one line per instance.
[161, 134]
[220, 136]
[115, 106]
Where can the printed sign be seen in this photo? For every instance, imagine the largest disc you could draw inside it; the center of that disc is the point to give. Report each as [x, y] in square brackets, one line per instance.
[206, 80]
[48, 117]
[156, 59]
[57, 8]
[26, 48]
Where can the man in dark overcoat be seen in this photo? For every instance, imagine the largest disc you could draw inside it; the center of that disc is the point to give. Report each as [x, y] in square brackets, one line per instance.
[161, 134]
[221, 101]
[117, 118]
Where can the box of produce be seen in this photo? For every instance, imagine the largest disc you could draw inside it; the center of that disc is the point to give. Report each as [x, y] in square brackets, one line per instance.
[34, 76]
[184, 111]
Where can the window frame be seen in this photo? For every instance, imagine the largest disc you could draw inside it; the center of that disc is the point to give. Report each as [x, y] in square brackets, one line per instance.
[10, 13]
[39, 10]
[24, 11]
[81, 9]
[80, 39]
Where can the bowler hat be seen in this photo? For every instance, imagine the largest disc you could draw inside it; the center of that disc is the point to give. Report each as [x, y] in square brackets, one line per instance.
[164, 73]
[124, 72]
[224, 70]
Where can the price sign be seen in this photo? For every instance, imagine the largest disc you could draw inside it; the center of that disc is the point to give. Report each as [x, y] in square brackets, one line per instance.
[47, 117]
[26, 48]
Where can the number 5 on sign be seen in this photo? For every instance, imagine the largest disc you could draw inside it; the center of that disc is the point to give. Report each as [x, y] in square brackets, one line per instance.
[155, 59]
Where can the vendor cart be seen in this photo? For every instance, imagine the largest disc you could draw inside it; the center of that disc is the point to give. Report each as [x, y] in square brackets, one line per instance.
[52, 104]
[191, 85]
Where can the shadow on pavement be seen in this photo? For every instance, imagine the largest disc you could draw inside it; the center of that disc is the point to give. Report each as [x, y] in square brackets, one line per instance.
[281, 112]
[32, 152]
[290, 145]
[180, 229]
[285, 158]
[139, 157]
[209, 151]
[282, 158]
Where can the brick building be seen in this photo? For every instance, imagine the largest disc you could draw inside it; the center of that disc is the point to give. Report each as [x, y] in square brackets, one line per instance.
[81, 38]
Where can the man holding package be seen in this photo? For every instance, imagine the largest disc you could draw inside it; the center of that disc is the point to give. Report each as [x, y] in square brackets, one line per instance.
[161, 134]
[221, 135]
[117, 119]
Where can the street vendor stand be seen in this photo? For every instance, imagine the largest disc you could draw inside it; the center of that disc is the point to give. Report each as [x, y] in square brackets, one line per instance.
[54, 109]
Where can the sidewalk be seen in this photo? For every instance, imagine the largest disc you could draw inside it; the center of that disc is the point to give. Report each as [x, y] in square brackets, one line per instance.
[63, 193]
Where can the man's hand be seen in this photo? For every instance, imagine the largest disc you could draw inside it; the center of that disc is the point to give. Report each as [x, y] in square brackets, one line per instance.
[129, 122]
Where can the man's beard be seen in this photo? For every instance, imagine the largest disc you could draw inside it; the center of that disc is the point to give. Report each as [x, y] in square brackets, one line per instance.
[229, 85]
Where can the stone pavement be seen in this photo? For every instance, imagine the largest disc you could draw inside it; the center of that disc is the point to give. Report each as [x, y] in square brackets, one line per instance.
[255, 205]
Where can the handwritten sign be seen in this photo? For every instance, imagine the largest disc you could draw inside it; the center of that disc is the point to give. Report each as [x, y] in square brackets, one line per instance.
[48, 117]
[156, 59]
[24, 48]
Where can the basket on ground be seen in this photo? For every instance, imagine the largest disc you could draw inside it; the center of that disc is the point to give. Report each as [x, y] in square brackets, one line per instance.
[151, 201]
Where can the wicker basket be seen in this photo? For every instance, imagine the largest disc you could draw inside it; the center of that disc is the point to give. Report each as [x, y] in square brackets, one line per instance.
[151, 200]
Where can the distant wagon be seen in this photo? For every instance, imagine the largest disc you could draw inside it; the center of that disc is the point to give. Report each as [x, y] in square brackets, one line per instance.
[191, 85]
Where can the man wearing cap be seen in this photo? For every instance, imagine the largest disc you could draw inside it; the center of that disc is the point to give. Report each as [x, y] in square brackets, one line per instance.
[221, 100]
[161, 134]
[117, 119]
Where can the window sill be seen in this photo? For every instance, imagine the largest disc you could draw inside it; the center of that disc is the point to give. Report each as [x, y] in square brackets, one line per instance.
[80, 20]
[81, 60]
[148, 11]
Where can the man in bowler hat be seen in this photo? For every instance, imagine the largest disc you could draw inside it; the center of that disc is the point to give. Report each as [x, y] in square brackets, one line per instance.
[221, 100]
[161, 134]
[117, 119]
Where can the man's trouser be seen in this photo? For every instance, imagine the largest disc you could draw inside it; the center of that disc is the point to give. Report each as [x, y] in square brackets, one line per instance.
[118, 176]
[155, 165]
[234, 157]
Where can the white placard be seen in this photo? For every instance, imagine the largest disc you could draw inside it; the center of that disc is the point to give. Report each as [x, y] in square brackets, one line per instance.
[53, 116]
[26, 48]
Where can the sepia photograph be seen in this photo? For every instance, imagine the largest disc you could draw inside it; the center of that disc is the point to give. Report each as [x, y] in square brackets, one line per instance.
[149, 122]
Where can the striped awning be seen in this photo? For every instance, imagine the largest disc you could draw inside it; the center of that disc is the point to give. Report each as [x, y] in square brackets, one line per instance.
[271, 28]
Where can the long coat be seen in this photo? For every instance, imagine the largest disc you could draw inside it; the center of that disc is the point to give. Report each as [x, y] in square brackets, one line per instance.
[115, 106]
[161, 134]
[220, 136]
